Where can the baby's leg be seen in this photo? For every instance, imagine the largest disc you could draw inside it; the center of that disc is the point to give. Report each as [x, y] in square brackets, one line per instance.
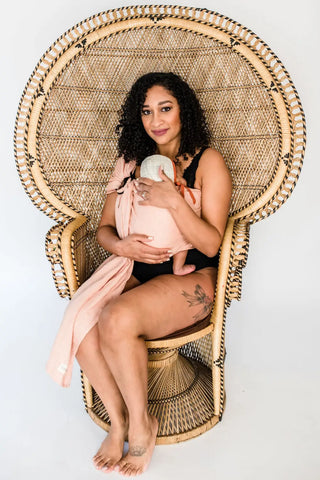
[179, 268]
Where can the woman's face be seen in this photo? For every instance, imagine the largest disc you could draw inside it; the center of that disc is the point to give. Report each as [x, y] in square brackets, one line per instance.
[161, 117]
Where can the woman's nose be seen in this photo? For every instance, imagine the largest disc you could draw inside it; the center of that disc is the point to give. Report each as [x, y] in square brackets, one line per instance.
[156, 119]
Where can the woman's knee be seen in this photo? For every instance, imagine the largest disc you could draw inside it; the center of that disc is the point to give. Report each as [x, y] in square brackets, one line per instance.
[89, 344]
[116, 323]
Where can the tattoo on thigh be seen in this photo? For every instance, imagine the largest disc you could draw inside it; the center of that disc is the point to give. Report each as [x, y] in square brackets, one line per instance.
[199, 298]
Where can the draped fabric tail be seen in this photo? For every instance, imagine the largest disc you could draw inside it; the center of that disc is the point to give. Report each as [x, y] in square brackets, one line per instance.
[83, 312]
[106, 283]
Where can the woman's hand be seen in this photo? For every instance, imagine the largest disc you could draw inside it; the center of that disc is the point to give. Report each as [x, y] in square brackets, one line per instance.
[157, 194]
[135, 247]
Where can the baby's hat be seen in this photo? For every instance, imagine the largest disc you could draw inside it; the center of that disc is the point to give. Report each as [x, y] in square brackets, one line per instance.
[150, 167]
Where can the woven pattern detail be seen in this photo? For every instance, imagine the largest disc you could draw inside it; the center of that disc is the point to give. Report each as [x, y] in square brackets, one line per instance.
[238, 260]
[199, 350]
[99, 409]
[83, 391]
[180, 396]
[53, 252]
[79, 247]
[219, 362]
[189, 409]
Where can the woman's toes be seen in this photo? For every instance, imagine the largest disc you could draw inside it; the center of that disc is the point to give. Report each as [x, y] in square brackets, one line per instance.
[97, 459]
[111, 465]
[128, 471]
[105, 464]
[133, 471]
[99, 465]
[121, 466]
[107, 467]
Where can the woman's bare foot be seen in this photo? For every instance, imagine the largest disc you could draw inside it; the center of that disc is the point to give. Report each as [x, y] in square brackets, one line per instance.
[111, 449]
[141, 446]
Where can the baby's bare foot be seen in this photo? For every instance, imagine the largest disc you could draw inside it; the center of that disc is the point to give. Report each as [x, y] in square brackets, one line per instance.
[141, 447]
[111, 449]
[184, 270]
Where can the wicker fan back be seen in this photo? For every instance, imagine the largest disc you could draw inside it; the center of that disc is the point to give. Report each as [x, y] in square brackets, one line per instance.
[77, 140]
[70, 107]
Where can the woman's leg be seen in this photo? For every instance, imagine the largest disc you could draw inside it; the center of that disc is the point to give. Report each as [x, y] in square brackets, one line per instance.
[93, 363]
[157, 308]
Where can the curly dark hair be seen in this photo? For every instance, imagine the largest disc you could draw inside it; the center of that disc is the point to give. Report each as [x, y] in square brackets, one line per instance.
[135, 144]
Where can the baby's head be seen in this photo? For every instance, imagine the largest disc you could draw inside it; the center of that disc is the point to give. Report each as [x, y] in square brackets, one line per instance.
[150, 167]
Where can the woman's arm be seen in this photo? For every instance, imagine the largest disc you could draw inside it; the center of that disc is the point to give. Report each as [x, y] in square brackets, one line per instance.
[133, 246]
[214, 179]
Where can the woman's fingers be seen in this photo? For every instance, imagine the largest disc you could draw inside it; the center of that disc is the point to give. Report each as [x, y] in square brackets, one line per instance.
[144, 183]
[163, 176]
[136, 246]
[143, 189]
[155, 255]
[141, 237]
[155, 258]
[156, 194]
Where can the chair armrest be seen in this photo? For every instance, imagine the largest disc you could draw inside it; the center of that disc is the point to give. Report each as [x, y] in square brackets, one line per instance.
[65, 249]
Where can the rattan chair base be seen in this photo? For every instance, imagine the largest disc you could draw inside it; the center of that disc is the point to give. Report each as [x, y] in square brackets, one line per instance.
[171, 439]
[184, 410]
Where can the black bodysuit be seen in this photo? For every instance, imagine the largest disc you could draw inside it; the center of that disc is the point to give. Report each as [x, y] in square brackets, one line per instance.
[145, 271]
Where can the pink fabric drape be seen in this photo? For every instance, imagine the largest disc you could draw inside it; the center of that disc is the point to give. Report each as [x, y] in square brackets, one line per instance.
[109, 280]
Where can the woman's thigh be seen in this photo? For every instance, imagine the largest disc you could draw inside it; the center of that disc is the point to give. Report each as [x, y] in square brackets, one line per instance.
[168, 303]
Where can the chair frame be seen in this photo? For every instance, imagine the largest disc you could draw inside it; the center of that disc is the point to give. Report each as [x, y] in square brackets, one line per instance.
[65, 240]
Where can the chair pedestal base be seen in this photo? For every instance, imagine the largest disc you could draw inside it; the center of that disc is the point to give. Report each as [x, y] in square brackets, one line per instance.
[179, 393]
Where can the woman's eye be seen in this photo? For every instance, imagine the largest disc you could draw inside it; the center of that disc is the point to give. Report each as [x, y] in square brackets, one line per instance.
[145, 112]
[166, 109]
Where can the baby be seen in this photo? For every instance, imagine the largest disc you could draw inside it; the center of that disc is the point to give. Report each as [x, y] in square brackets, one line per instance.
[158, 222]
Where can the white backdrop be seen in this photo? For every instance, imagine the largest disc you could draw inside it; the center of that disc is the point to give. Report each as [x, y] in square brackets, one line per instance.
[270, 428]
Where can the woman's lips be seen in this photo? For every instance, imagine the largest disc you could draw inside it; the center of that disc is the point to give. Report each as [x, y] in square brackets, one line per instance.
[158, 133]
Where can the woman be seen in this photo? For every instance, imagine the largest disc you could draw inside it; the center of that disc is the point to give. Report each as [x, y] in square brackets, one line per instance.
[161, 115]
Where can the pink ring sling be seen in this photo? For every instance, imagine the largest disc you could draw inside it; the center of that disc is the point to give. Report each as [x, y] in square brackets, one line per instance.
[110, 278]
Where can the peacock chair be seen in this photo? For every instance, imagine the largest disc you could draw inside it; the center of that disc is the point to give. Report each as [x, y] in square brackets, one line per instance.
[65, 146]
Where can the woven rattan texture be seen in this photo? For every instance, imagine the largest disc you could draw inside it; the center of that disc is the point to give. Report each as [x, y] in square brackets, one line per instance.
[180, 396]
[77, 140]
[199, 350]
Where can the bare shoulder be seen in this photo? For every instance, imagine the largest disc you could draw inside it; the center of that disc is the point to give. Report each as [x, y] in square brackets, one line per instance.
[213, 166]
[216, 189]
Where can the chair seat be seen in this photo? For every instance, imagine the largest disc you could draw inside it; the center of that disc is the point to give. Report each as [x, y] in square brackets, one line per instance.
[183, 336]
